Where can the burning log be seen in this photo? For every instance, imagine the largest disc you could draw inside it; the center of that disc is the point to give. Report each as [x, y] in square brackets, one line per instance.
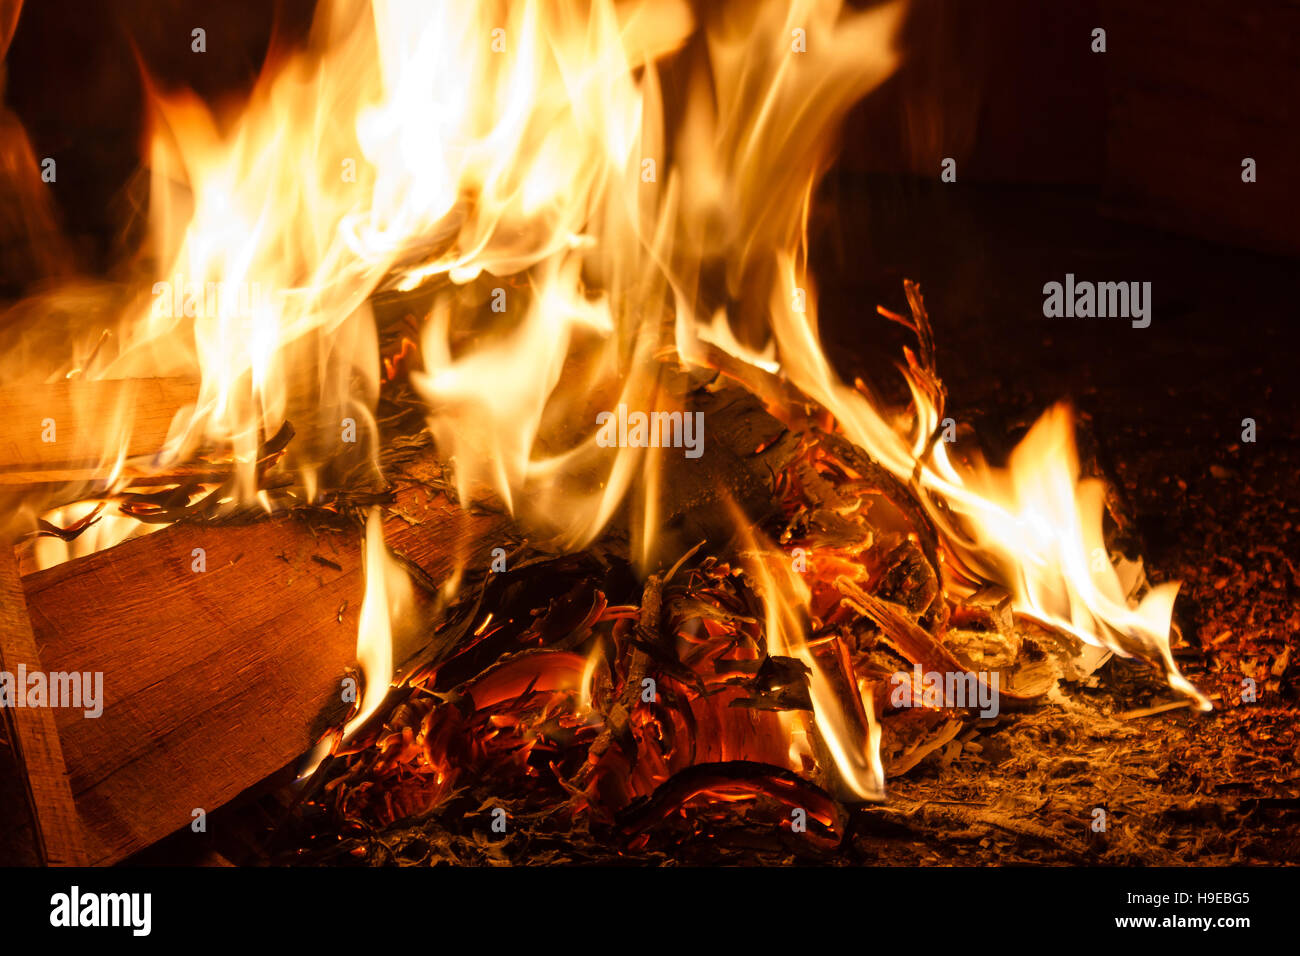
[222, 648]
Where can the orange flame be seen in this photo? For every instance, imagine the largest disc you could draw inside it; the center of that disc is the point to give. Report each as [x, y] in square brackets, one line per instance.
[1035, 526]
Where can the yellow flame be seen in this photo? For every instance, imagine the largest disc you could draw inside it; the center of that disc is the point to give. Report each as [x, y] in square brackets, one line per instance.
[106, 530]
[586, 684]
[620, 217]
[387, 603]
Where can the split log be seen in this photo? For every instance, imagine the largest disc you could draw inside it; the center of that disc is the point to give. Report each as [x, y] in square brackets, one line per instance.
[19, 844]
[214, 680]
[82, 418]
[32, 735]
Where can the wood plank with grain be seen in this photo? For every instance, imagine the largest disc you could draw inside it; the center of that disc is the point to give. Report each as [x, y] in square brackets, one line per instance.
[214, 680]
[32, 732]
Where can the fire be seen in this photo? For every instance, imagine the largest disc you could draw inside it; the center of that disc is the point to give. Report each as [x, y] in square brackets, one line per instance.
[1037, 525]
[576, 246]
[99, 531]
[387, 612]
[854, 745]
[1034, 527]
[588, 678]
[388, 602]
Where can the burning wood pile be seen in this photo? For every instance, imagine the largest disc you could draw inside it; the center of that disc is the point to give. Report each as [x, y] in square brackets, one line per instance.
[474, 439]
[743, 700]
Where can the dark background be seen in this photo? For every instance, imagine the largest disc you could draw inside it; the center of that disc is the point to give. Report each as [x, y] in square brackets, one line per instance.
[1120, 166]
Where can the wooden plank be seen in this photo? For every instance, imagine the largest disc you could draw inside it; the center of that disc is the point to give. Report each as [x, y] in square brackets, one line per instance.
[214, 680]
[32, 731]
[18, 841]
[86, 420]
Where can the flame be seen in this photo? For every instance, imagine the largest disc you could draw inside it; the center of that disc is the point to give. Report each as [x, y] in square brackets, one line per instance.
[1037, 525]
[586, 685]
[621, 219]
[534, 170]
[854, 748]
[1034, 526]
[103, 530]
[385, 606]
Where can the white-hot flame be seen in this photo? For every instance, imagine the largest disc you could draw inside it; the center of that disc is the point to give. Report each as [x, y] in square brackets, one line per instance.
[386, 606]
